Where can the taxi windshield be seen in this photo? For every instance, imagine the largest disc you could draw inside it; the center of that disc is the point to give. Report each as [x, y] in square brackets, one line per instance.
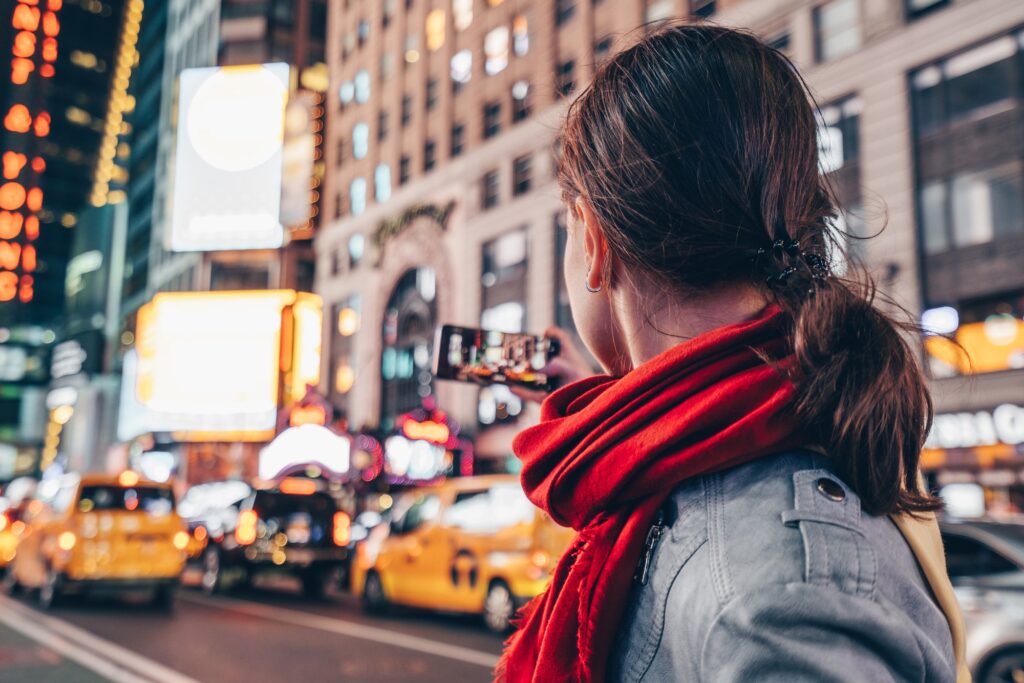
[152, 499]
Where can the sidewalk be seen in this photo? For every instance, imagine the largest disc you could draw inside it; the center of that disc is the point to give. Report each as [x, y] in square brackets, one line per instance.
[25, 661]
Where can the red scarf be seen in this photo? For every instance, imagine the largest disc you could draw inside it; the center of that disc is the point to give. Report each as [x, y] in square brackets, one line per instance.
[606, 455]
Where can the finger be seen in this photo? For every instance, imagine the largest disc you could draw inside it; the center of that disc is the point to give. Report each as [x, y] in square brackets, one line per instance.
[528, 394]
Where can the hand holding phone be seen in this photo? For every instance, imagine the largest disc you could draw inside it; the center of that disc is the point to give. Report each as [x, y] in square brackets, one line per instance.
[487, 357]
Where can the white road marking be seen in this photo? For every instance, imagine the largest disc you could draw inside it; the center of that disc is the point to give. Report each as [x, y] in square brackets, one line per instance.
[102, 656]
[351, 629]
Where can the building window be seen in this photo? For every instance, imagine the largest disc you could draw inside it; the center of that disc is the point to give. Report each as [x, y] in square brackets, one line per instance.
[462, 14]
[987, 204]
[382, 125]
[388, 13]
[520, 35]
[521, 92]
[659, 10]
[837, 29]
[412, 50]
[340, 150]
[387, 65]
[461, 66]
[431, 100]
[404, 165]
[974, 83]
[702, 8]
[565, 77]
[780, 42]
[503, 309]
[973, 207]
[918, 8]
[602, 48]
[382, 183]
[496, 50]
[564, 10]
[489, 190]
[406, 110]
[435, 30]
[492, 119]
[838, 134]
[346, 93]
[563, 311]
[360, 140]
[363, 32]
[429, 155]
[362, 86]
[357, 196]
[458, 135]
[407, 337]
[339, 208]
[521, 174]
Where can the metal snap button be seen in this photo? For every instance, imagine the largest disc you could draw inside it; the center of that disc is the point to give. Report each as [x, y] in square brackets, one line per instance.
[831, 489]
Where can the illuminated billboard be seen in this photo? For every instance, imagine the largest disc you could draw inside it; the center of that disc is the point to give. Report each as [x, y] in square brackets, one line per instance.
[228, 164]
[210, 363]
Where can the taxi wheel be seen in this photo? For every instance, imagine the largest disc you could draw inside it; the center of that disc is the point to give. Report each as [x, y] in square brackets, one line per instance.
[213, 577]
[499, 607]
[374, 600]
[49, 592]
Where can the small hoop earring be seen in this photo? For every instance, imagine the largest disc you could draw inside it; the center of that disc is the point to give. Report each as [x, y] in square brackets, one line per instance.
[586, 283]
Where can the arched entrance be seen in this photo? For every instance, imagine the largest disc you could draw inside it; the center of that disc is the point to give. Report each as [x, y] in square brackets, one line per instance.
[408, 344]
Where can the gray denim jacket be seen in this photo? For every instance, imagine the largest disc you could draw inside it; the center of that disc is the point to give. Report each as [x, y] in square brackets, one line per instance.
[771, 572]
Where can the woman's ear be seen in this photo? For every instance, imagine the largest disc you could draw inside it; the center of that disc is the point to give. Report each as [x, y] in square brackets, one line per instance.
[595, 245]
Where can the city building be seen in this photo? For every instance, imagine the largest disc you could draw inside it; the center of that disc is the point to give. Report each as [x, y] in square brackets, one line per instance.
[61, 119]
[440, 205]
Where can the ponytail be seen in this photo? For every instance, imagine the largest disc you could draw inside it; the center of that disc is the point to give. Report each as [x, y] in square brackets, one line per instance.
[862, 394]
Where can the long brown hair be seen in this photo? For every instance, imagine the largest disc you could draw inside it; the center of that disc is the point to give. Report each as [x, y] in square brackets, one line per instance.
[697, 150]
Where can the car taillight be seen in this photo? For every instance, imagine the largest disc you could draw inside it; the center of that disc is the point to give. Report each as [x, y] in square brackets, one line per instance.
[245, 532]
[342, 528]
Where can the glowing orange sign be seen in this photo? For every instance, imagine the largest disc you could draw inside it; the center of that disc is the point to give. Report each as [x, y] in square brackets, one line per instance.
[428, 430]
[307, 415]
[21, 197]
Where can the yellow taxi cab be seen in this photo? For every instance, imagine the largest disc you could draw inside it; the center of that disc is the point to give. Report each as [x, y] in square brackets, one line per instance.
[473, 544]
[92, 533]
[12, 509]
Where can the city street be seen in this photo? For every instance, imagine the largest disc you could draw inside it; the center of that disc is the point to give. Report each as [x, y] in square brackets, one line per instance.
[268, 633]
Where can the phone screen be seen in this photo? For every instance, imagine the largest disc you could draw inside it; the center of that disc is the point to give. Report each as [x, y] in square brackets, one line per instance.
[487, 357]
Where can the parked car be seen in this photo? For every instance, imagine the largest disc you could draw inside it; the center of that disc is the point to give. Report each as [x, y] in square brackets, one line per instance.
[986, 565]
[94, 533]
[473, 544]
[294, 528]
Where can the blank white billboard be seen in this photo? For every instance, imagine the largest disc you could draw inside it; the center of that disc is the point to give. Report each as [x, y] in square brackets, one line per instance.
[227, 169]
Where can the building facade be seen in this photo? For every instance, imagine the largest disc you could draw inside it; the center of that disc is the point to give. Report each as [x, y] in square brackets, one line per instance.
[440, 203]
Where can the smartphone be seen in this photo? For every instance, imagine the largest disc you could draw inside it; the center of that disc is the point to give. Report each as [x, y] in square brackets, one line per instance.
[486, 357]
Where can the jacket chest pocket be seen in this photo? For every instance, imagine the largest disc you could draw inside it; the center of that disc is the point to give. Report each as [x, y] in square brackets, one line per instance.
[643, 622]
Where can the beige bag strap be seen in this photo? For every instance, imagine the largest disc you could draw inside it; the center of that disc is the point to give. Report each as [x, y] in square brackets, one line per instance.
[924, 539]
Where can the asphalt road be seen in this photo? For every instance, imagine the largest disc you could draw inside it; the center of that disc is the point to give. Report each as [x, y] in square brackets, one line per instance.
[268, 633]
